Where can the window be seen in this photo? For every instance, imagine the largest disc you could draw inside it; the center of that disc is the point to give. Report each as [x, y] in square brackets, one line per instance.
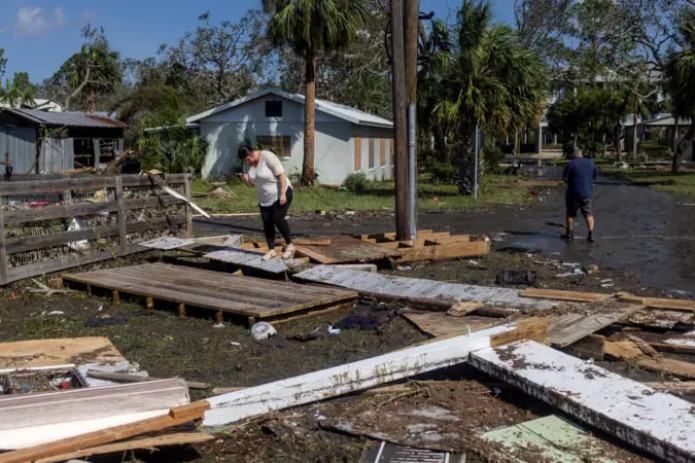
[382, 152]
[358, 153]
[281, 145]
[371, 153]
[273, 109]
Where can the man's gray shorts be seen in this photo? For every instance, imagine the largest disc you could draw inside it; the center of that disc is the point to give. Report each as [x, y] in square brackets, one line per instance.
[577, 204]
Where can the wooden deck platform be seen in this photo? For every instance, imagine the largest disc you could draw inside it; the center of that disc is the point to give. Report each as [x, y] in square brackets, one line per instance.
[254, 298]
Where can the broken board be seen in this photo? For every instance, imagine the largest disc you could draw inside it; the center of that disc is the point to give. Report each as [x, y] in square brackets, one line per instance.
[570, 328]
[426, 292]
[661, 303]
[660, 424]
[363, 374]
[631, 353]
[253, 261]
[344, 249]
[219, 291]
[439, 324]
[48, 352]
[560, 295]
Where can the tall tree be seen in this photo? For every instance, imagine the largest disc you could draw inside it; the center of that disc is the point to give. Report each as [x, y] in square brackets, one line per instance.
[311, 28]
[220, 62]
[90, 74]
[493, 81]
[680, 84]
[20, 90]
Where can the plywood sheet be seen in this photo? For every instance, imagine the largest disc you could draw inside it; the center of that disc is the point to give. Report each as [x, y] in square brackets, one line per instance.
[439, 324]
[253, 261]
[345, 249]
[46, 352]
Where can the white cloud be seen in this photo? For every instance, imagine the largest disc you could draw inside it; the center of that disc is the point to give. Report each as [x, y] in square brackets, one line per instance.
[34, 21]
[59, 16]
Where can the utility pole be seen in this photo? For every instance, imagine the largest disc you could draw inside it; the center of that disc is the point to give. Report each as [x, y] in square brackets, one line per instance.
[412, 20]
[399, 120]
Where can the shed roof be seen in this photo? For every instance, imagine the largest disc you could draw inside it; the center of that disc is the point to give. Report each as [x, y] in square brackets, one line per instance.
[329, 107]
[70, 119]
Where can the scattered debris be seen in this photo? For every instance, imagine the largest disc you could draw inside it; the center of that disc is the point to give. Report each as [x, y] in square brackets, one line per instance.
[262, 330]
[517, 277]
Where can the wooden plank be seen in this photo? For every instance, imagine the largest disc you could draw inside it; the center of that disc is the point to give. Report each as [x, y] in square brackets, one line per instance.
[439, 324]
[87, 208]
[570, 328]
[661, 319]
[45, 352]
[74, 260]
[443, 251]
[79, 184]
[189, 209]
[27, 410]
[673, 348]
[344, 379]
[674, 387]
[660, 303]
[122, 220]
[254, 261]
[186, 413]
[441, 295]
[344, 249]
[659, 424]
[61, 239]
[630, 352]
[555, 294]
[148, 443]
[591, 346]
[166, 243]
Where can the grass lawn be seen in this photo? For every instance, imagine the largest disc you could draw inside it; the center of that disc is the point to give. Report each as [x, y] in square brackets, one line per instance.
[494, 190]
[682, 184]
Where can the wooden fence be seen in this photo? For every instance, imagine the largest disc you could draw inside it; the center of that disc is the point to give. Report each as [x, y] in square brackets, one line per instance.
[48, 224]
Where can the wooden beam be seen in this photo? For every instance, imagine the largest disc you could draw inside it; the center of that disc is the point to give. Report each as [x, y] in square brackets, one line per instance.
[189, 209]
[660, 303]
[122, 219]
[443, 251]
[659, 424]
[559, 295]
[673, 348]
[149, 443]
[674, 387]
[351, 377]
[570, 328]
[48, 352]
[185, 414]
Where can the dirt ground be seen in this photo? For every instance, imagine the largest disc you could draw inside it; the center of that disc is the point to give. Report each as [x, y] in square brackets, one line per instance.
[197, 349]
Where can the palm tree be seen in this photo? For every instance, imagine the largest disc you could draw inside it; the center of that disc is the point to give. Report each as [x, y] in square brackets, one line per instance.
[680, 84]
[493, 81]
[311, 27]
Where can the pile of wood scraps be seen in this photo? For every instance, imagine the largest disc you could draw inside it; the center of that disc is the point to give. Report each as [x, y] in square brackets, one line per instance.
[431, 246]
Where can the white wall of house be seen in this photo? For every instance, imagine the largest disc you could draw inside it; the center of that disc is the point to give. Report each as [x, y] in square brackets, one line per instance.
[372, 151]
[334, 141]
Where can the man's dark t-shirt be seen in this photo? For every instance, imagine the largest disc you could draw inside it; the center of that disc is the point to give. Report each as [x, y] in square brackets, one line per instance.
[580, 175]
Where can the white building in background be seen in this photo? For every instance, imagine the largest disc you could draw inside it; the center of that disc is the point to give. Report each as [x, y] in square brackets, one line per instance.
[346, 140]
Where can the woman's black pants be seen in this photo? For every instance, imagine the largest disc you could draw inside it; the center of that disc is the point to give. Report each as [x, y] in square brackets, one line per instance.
[274, 216]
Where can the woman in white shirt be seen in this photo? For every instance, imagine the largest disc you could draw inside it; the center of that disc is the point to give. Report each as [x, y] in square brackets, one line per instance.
[264, 171]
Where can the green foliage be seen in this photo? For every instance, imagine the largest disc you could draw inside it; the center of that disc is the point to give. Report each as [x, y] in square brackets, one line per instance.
[653, 150]
[175, 151]
[588, 116]
[356, 182]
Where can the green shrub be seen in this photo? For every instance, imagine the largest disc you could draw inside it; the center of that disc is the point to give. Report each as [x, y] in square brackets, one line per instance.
[654, 150]
[444, 173]
[356, 183]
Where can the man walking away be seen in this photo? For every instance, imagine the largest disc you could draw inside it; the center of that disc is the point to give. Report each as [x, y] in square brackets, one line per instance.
[579, 176]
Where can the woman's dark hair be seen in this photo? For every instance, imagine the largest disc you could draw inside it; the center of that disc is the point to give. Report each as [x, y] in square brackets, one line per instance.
[245, 150]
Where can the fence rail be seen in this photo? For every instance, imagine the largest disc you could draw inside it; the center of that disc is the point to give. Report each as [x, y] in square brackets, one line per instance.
[49, 224]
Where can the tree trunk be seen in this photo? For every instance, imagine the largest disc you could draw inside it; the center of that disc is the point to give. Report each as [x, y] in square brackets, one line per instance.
[310, 96]
[618, 151]
[634, 130]
[676, 166]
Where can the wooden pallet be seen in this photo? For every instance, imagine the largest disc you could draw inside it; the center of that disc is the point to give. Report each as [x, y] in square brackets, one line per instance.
[430, 245]
[253, 298]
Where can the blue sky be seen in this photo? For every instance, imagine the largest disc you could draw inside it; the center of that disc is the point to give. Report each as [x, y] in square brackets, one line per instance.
[38, 35]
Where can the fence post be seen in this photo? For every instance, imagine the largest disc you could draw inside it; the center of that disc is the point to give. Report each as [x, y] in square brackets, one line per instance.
[123, 244]
[189, 210]
[3, 250]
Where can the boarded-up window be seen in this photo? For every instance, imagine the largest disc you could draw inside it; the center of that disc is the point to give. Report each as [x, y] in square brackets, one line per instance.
[371, 153]
[273, 109]
[382, 152]
[282, 145]
[358, 153]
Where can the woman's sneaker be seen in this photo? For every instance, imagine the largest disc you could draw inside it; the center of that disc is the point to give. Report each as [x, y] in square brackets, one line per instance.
[270, 255]
[289, 252]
